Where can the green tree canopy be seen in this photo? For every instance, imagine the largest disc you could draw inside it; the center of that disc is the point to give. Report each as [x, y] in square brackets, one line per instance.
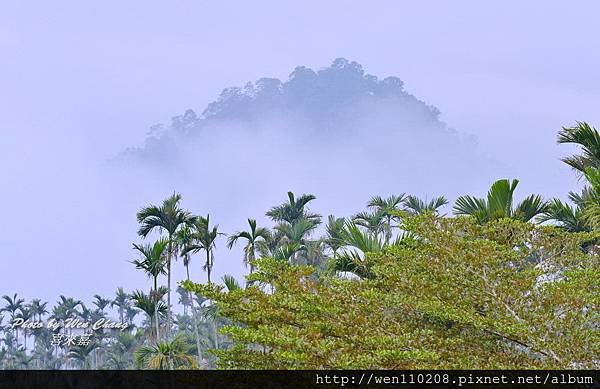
[504, 294]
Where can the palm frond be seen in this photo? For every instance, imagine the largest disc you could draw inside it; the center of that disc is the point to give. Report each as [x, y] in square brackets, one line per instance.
[530, 207]
[334, 232]
[294, 210]
[500, 198]
[231, 283]
[469, 205]
[588, 138]
[569, 218]
[416, 206]
[166, 217]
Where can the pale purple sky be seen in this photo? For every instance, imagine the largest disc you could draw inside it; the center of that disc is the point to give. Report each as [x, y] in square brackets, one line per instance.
[80, 82]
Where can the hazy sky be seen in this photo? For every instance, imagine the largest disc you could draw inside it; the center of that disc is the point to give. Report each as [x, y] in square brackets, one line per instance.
[80, 82]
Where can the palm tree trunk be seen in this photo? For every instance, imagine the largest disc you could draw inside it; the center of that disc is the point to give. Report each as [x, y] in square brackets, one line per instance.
[251, 258]
[208, 265]
[208, 269]
[388, 232]
[196, 332]
[169, 293]
[156, 310]
[169, 287]
[214, 325]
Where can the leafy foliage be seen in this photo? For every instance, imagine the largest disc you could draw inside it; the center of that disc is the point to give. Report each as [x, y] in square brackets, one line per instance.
[484, 301]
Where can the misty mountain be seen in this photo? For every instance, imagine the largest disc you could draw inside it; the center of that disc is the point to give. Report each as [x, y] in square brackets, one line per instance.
[328, 106]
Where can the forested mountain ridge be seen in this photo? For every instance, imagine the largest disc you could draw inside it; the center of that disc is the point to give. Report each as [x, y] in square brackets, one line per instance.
[328, 103]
